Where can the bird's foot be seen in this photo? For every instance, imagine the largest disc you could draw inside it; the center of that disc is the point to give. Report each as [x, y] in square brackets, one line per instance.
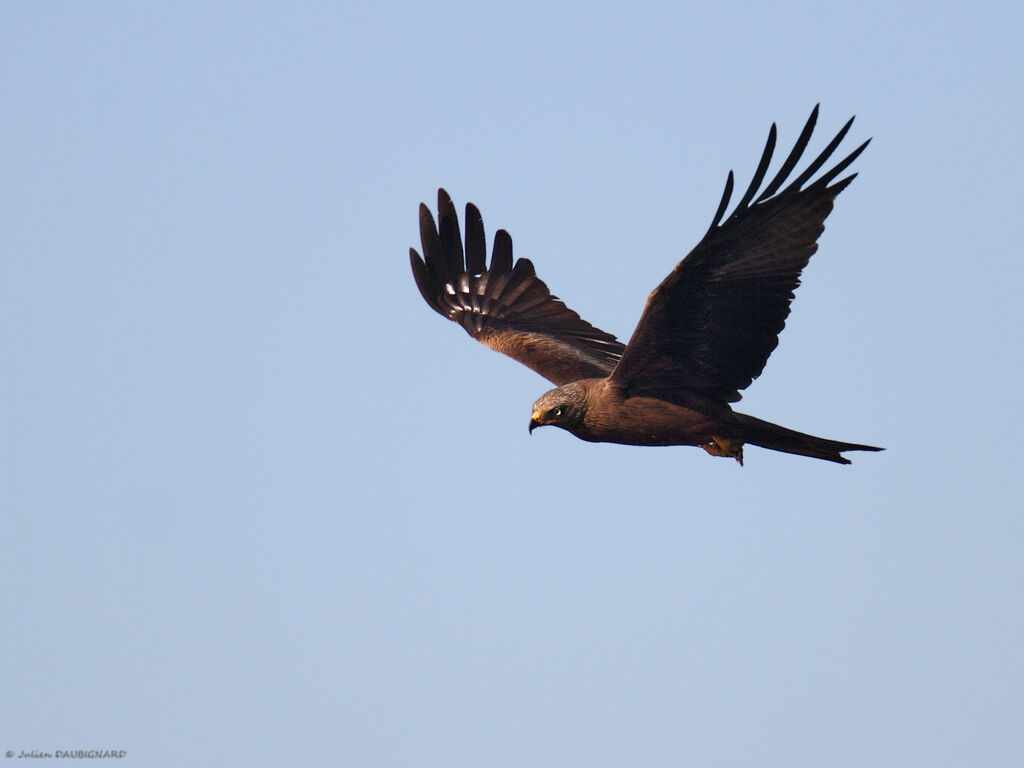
[725, 446]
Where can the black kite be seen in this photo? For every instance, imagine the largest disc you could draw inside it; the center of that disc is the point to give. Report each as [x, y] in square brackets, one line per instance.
[705, 334]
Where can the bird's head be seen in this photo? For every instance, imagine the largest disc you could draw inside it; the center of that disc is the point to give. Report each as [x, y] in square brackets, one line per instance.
[564, 407]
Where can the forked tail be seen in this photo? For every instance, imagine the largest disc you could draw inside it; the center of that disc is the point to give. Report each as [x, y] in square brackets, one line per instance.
[776, 438]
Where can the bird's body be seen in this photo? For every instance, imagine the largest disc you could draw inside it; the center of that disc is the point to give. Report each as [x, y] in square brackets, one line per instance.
[705, 334]
[650, 421]
[608, 414]
[599, 411]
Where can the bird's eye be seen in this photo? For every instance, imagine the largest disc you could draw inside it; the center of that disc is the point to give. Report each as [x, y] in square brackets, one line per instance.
[556, 412]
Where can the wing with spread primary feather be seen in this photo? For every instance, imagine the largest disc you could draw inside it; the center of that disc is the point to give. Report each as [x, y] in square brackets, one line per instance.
[712, 323]
[505, 306]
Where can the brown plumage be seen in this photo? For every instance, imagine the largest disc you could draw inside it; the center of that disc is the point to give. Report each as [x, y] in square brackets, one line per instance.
[705, 334]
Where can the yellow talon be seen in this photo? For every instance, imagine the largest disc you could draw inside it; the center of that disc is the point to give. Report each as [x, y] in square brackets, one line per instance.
[725, 446]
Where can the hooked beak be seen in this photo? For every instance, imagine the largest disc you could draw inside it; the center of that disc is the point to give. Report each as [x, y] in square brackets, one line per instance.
[535, 421]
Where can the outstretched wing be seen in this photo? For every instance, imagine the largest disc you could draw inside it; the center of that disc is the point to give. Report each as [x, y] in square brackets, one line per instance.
[712, 323]
[506, 307]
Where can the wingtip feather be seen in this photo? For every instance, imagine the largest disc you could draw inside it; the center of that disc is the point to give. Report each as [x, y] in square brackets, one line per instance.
[476, 241]
[501, 255]
[428, 286]
[726, 196]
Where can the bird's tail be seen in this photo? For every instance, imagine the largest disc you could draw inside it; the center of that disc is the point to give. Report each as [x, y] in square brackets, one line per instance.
[776, 438]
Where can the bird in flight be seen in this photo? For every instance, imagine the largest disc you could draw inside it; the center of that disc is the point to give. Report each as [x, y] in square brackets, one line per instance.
[705, 333]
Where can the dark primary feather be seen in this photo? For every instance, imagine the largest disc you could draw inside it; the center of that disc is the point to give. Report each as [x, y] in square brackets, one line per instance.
[712, 323]
[506, 306]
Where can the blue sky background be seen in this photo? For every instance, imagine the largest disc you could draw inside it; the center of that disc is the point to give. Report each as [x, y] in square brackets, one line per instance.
[261, 506]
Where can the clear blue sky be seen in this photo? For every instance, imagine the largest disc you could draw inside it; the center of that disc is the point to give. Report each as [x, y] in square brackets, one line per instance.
[261, 506]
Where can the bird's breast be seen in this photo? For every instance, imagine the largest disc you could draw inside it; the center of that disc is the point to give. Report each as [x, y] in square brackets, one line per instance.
[650, 421]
